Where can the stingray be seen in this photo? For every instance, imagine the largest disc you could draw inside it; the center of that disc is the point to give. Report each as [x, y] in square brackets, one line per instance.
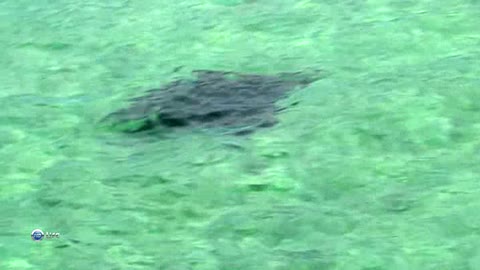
[233, 102]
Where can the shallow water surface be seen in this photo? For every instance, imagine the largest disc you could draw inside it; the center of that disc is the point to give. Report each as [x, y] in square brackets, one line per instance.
[376, 167]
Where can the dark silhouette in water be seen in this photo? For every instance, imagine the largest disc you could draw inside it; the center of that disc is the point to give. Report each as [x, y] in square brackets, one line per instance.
[239, 103]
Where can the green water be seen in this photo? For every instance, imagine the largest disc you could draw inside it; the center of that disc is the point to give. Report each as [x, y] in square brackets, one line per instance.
[376, 168]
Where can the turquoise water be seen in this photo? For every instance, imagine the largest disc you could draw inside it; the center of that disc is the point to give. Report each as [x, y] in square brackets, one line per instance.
[376, 168]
